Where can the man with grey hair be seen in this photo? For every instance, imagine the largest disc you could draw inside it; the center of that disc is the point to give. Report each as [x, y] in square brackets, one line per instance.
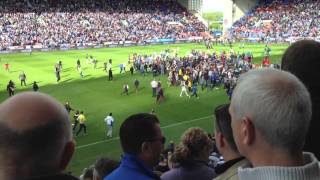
[271, 112]
[35, 139]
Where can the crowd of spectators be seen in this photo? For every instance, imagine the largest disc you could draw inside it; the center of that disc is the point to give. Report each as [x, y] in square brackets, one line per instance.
[207, 69]
[271, 119]
[279, 20]
[59, 23]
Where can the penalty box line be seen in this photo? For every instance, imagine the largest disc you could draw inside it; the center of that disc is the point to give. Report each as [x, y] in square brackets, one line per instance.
[163, 127]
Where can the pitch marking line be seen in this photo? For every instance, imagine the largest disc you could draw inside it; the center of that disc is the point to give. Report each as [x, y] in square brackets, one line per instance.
[163, 127]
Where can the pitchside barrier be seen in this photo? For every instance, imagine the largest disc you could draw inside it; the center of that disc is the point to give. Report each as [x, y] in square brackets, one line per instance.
[65, 47]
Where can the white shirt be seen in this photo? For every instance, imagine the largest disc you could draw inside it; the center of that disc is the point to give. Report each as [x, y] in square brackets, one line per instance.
[126, 86]
[154, 84]
[109, 120]
[183, 86]
[309, 171]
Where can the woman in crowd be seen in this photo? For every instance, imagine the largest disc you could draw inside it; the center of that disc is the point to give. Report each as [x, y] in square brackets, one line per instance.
[191, 156]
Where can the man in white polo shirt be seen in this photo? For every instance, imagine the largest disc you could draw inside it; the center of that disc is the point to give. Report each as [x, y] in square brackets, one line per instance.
[109, 121]
[154, 85]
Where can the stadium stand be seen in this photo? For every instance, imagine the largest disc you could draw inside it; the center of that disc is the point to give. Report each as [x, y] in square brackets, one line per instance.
[78, 23]
[83, 23]
[280, 20]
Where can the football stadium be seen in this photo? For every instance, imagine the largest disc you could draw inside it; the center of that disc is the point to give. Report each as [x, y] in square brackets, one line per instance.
[106, 60]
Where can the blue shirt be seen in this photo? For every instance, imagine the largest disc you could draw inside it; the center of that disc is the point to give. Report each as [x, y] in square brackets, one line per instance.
[133, 168]
[194, 89]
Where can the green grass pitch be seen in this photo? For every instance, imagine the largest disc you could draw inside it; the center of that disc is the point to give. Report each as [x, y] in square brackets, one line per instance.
[97, 96]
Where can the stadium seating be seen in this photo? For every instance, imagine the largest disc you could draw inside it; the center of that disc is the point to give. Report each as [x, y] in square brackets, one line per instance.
[280, 20]
[79, 23]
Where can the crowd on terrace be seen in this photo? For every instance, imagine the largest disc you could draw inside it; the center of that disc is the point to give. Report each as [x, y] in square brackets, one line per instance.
[55, 23]
[280, 19]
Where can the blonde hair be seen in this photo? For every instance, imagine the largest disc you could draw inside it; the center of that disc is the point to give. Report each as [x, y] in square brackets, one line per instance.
[193, 141]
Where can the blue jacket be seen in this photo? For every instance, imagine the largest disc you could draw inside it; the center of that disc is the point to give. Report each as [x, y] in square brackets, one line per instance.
[132, 168]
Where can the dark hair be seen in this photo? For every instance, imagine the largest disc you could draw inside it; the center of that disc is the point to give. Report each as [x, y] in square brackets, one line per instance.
[104, 166]
[88, 173]
[135, 130]
[302, 59]
[223, 124]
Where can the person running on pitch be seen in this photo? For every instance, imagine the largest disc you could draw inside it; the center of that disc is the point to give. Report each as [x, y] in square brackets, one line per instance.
[109, 121]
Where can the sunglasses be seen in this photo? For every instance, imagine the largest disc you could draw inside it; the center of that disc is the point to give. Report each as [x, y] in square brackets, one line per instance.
[161, 139]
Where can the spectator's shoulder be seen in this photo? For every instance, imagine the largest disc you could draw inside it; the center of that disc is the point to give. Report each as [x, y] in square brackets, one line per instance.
[172, 174]
[127, 173]
[116, 174]
[232, 172]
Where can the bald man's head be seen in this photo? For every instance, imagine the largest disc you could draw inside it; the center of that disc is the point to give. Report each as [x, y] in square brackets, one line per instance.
[35, 131]
[28, 110]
